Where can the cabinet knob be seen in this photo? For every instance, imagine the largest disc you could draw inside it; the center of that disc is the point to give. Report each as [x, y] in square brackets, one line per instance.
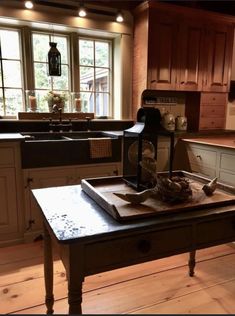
[182, 82]
[29, 180]
[199, 157]
[144, 246]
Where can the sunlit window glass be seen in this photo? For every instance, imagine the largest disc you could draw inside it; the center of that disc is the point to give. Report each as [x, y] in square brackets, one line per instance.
[95, 76]
[43, 82]
[11, 83]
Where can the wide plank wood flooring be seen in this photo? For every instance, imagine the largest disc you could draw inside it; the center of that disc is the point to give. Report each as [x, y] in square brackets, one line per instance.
[158, 287]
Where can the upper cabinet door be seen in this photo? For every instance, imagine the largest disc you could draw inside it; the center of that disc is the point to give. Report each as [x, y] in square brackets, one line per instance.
[190, 51]
[219, 42]
[163, 31]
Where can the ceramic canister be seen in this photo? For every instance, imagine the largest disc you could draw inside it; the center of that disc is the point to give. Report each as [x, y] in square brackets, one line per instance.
[181, 123]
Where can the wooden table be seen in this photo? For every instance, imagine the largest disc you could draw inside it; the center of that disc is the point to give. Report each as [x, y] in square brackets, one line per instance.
[91, 241]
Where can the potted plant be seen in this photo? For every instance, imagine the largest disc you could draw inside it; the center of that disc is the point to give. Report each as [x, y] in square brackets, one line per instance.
[56, 98]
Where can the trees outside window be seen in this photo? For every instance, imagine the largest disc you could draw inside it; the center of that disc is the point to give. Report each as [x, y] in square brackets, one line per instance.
[43, 82]
[95, 76]
[88, 76]
[11, 83]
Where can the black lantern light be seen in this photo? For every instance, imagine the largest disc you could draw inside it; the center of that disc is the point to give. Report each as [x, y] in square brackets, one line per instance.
[54, 60]
[141, 142]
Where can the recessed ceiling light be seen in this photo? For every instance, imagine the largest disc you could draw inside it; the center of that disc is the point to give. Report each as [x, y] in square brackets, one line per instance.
[82, 11]
[119, 17]
[28, 4]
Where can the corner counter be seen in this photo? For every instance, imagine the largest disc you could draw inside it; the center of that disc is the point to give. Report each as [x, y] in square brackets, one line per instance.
[212, 156]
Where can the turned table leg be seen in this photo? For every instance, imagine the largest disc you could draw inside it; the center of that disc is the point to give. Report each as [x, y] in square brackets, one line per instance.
[75, 277]
[48, 271]
[192, 262]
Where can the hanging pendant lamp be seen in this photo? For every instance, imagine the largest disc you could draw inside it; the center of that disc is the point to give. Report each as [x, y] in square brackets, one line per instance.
[54, 60]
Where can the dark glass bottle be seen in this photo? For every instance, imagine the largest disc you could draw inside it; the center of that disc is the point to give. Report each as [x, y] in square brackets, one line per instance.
[54, 60]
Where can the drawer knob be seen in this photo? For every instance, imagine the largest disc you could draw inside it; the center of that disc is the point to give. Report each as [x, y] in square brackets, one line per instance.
[199, 157]
[144, 246]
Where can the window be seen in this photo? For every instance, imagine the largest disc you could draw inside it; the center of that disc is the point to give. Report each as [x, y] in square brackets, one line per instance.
[90, 78]
[95, 76]
[11, 83]
[43, 82]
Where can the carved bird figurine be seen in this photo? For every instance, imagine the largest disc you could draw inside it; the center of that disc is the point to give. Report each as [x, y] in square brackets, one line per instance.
[138, 197]
[210, 187]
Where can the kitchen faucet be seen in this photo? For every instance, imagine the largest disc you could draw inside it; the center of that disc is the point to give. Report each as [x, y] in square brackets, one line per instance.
[60, 125]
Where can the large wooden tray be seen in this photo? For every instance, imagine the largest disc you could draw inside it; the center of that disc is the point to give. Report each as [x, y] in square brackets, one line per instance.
[101, 190]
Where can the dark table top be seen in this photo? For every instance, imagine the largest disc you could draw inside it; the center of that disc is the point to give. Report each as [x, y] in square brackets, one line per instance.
[73, 216]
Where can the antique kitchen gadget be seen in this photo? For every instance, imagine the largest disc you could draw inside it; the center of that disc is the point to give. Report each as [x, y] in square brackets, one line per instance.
[141, 143]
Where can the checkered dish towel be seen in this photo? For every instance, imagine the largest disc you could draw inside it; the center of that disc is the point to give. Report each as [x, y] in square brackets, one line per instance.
[100, 147]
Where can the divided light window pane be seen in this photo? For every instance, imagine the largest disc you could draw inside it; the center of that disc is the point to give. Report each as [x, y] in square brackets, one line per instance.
[95, 76]
[43, 82]
[11, 73]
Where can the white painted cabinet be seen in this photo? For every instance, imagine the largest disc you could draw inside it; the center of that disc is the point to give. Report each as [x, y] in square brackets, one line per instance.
[212, 161]
[11, 211]
[57, 176]
[202, 159]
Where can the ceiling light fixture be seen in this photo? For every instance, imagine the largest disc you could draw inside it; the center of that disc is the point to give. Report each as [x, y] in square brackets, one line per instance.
[28, 4]
[119, 17]
[82, 11]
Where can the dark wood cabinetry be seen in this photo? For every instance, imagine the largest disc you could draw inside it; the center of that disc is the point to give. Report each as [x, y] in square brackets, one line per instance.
[218, 47]
[181, 50]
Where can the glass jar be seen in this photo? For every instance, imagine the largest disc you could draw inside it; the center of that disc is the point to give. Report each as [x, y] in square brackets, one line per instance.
[31, 101]
[76, 102]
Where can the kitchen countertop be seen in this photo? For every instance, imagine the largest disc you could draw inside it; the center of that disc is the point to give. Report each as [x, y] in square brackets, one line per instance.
[11, 137]
[221, 141]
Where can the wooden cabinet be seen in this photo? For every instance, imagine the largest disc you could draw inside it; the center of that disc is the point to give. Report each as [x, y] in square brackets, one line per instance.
[57, 176]
[212, 161]
[10, 194]
[202, 159]
[218, 45]
[190, 62]
[176, 50]
[162, 50]
[212, 110]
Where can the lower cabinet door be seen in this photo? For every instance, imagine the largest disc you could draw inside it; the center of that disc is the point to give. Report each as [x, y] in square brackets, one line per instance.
[8, 202]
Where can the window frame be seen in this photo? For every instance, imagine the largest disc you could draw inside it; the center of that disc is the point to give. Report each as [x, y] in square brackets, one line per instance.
[21, 62]
[109, 68]
[51, 35]
[27, 62]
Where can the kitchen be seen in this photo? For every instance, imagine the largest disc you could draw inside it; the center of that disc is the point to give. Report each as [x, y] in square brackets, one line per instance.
[123, 114]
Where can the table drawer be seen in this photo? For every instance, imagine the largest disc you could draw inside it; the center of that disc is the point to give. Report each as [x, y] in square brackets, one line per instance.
[214, 98]
[134, 249]
[7, 156]
[215, 231]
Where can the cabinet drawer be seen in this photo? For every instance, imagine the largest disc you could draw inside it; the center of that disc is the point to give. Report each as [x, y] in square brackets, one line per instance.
[212, 111]
[135, 248]
[204, 171]
[227, 161]
[216, 230]
[212, 123]
[7, 156]
[227, 177]
[199, 156]
[214, 98]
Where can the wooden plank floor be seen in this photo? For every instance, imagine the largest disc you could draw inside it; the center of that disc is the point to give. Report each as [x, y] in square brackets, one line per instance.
[157, 287]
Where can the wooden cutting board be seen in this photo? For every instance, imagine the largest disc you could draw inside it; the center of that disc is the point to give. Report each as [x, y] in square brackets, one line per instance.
[102, 191]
